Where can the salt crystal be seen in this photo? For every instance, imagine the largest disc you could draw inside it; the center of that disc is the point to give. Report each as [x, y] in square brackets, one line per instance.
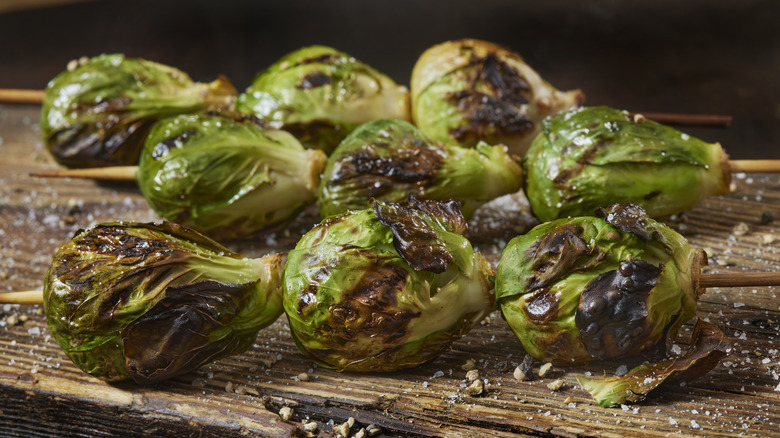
[438, 374]
[621, 370]
[34, 331]
[672, 421]
[694, 424]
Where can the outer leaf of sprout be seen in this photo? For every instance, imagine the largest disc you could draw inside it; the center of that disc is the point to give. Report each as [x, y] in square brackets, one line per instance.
[554, 286]
[390, 160]
[708, 346]
[467, 91]
[385, 289]
[100, 113]
[593, 157]
[149, 302]
[226, 177]
[321, 94]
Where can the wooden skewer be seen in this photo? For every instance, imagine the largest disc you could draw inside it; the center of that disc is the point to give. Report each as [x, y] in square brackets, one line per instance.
[22, 297]
[113, 173]
[700, 120]
[754, 166]
[734, 279]
[12, 95]
[127, 173]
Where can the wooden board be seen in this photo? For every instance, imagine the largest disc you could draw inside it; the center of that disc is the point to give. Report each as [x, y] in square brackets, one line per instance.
[42, 394]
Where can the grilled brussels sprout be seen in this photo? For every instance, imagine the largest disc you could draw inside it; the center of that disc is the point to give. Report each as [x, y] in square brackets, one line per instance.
[467, 91]
[593, 157]
[147, 302]
[385, 288]
[226, 177]
[605, 287]
[320, 94]
[390, 160]
[99, 113]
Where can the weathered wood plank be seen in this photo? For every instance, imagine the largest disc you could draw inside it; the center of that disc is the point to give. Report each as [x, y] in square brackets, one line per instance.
[43, 394]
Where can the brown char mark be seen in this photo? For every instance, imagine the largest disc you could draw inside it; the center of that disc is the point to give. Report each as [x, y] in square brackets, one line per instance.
[612, 316]
[314, 80]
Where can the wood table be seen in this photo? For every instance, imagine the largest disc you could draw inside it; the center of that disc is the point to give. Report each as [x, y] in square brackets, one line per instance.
[42, 394]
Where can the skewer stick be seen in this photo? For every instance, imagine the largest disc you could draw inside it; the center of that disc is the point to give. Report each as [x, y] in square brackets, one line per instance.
[127, 173]
[113, 173]
[12, 95]
[22, 297]
[754, 166]
[700, 120]
[733, 279]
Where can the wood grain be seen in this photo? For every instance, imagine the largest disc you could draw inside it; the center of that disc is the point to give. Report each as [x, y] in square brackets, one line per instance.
[42, 394]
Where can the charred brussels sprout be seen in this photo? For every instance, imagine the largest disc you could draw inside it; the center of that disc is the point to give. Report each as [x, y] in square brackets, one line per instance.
[226, 177]
[593, 157]
[390, 160]
[99, 113]
[467, 91]
[148, 302]
[320, 94]
[605, 287]
[385, 288]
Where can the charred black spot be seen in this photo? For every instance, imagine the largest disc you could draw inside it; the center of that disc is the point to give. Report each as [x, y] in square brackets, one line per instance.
[98, 144]
[162, 148]
[328, 58]
[542, 306]
[503, 80]
[487, 115]
[651, 195]
[173, 336]
[629, 218]
[314, 80]
[406, 165]
[590, 153]
[371, 306]
[414, 238]
[117, 241]
[612, 316]
[558, 253]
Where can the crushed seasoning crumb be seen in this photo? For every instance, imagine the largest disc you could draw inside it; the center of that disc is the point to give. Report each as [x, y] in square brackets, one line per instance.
[555, 385]
[286, 413]
[476, 388]
[544, 369]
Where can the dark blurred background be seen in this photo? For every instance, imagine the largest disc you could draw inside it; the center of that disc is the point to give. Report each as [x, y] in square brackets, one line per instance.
[694, 56]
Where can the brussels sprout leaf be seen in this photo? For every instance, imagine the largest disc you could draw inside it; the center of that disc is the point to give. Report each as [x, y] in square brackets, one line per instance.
[708, 346]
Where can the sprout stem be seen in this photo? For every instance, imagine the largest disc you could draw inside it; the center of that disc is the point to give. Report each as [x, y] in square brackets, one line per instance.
[112, 173]
[22, 297]
[11, 95]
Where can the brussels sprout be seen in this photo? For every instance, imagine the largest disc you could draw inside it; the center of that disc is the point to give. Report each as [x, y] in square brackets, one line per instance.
[390, 160]
[385, 288]
[320, 94]
[606, 287]
[593, 157]
[148, 302]
[467, 91]
[226, 177]
[99, 113]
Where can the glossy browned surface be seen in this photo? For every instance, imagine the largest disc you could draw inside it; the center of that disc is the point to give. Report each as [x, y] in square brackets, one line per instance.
[42, 393]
